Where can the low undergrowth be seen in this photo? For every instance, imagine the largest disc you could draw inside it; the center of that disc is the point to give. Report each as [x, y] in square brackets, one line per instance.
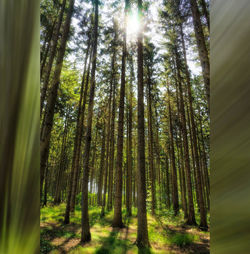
[166, 233]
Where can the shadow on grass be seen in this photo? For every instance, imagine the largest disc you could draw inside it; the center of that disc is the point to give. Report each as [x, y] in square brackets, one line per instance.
[144, 251]
[49, 234]
[114, 245]
[181, 239]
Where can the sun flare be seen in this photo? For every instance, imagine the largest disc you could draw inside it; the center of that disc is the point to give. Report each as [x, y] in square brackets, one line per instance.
[132, 25]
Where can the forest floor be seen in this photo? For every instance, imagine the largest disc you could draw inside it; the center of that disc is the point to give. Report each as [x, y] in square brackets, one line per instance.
[167, 234]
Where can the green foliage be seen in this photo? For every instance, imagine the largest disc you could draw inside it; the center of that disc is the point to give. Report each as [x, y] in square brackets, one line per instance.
[45, 246]
[181, 239]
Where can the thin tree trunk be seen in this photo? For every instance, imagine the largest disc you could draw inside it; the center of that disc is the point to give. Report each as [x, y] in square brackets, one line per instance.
[49, 116]
[100, 178]
[55, 37]
[46, 49]
[183, 180]
[61, 168]
[205, 12]
[202, 49]
[167, 183]
[150, 143]
[117, 221]
[112, 130]
[81, 130]
[129, 153]
[142, 229]
[77, 141]
[46, 185]
[86, 236]
[191, 214]
[172, 160]
[203, 223]
[106, 162]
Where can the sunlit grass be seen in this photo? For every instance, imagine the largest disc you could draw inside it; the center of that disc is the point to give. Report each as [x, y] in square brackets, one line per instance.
[162, 229]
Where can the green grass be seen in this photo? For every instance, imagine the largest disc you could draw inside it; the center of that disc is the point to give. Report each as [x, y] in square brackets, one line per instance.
[181, 240]
[162, 229]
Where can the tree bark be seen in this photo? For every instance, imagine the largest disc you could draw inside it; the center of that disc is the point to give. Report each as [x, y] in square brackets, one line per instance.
[61, 168]
[117, 221]
[78, 140]
[55, 37]
[100, 178]
[203, 223]
[129, 152]
[191, 215]
[86, 236]
[150, 143]
[172, 160]
[202, 49]
[112, 128]
[48, 121]
[142, 228]
[205, 12]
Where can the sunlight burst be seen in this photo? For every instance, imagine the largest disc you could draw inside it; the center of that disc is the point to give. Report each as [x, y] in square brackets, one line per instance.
[132, 25]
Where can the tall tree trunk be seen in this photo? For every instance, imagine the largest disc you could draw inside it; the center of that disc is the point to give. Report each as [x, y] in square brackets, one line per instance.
[129, 153]
[46, 185]
[203, 223]
[191, 213]
[142, 229]
[202, 49]
[106, 161]
[172, 160]
[86, 236]
[77, 141]
[205, 12]
[167, 183]
[76, 172]
[151, 142]
[45, 50]
[183, 179]
[49, 116]
[55, 37]
[112, 130]
[61, 168]
[100, 178]
[92, 164]
[117, 221]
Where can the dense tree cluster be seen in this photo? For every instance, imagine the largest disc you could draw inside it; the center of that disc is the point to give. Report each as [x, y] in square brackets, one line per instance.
[124, 120]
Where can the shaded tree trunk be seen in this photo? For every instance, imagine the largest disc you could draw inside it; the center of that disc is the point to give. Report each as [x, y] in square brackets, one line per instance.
[117, 221]
[61, 168]
[142, 229]
[205, 12]
[167, 183]
[150, 143]
[55, 37]
[86, 236]
[172, 160]
[202, 49]
[191, 215]
[49, 116]
[129, 152]
[203, 223]
[45, 50]
[77, 141]
[112, 130]
[100, 178]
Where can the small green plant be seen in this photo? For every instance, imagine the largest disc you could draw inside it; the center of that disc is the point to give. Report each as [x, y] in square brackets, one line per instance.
[181, 240]
[45, 246]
